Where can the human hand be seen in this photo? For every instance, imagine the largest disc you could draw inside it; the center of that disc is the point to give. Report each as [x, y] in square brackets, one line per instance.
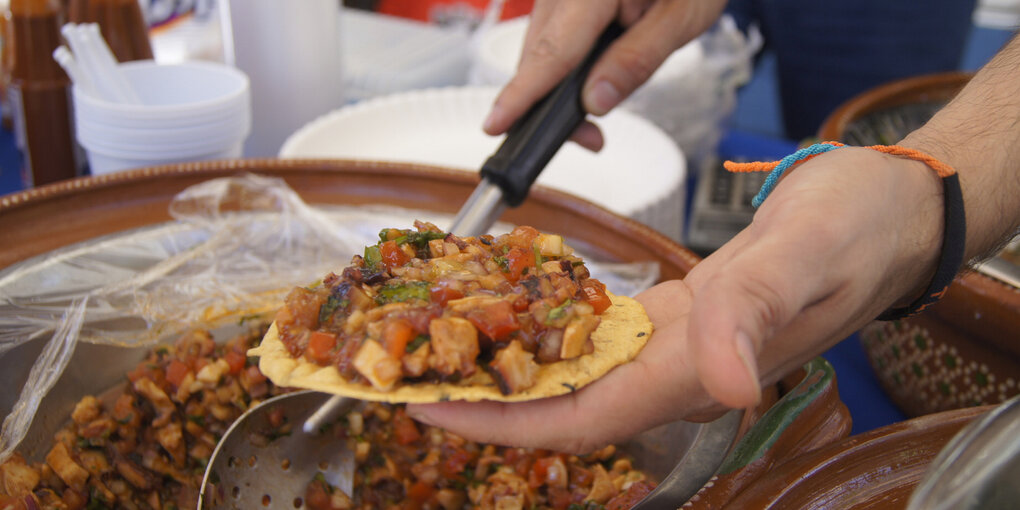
[562, 32]
[842, 237]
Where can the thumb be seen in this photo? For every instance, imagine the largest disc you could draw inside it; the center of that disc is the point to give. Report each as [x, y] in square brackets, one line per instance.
[734, 314]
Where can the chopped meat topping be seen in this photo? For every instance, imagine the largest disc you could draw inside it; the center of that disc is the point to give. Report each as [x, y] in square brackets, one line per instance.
[466, 298]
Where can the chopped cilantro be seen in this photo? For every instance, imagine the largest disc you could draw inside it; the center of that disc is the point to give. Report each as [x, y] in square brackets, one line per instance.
[372, 256]
[421, 239]
[400, 292]
[332, 304]
[588, 505]
[504, 263]
[418, 341]
[559, 311]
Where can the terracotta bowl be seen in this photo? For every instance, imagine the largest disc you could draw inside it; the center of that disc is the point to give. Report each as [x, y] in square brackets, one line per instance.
[876, 470]
[797, 416]
[962, 351]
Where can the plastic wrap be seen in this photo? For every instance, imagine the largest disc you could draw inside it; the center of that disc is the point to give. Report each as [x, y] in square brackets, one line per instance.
[235, 248]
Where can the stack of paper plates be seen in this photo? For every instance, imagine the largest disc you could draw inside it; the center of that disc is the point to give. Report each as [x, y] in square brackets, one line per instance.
[639, 173]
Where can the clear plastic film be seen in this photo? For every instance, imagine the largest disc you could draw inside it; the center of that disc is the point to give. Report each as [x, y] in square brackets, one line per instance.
[235, 248]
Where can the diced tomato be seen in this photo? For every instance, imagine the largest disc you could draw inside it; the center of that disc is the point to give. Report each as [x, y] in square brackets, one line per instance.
[176, 372]
[404, 429]
[549, 470]
[495, 320]
[559, 499]
[519, 459]
[236, 360]
[396, 334]
[420, 492]
[148, 370]
[442, 291]
[392, 255]
[455, 462]
[517, 260]
[320, 346]
[596, 296]
[317, 495]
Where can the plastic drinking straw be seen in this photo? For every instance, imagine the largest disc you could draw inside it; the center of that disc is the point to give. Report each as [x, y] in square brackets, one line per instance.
[107, 63]
[87, 67]
[63, 57]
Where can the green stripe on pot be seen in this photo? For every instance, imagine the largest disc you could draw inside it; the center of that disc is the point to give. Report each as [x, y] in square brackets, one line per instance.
[764, 434]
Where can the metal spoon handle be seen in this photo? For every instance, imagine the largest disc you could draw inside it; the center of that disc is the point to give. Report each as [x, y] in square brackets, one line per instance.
[326, 413]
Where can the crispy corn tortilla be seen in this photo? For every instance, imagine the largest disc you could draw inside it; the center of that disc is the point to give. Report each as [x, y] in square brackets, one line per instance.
[622, 332]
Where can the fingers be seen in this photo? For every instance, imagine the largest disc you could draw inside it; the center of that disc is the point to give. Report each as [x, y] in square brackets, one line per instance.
[559, 36]
[589, 136]
[656, 31]
[562, 33]
[564, 423]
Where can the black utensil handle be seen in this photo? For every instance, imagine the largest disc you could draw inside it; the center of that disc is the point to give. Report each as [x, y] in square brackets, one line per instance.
[534, 139]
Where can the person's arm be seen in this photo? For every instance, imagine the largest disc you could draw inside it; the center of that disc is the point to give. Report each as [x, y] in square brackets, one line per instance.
[843, 237]
[562, 31]
[790, 285]
[978, 134]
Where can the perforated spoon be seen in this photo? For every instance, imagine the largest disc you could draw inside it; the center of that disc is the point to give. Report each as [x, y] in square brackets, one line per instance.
[266, 459]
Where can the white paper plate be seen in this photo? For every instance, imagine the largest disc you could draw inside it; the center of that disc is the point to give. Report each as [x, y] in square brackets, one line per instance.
[639, 173]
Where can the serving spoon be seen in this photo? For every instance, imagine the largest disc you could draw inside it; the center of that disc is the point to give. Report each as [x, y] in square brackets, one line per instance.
[267, 458]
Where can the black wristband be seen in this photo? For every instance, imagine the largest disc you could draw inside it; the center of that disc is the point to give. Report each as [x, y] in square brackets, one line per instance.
[950, 259]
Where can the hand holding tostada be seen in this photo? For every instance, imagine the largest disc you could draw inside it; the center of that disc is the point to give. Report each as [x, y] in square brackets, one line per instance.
[846, 236]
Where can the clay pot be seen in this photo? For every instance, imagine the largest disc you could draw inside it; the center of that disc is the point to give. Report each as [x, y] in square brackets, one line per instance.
[800, 414]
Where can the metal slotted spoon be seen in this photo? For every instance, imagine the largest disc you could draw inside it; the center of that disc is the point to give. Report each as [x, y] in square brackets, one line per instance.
[267, 458]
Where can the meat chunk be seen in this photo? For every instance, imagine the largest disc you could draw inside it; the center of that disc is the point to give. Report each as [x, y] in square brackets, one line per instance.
[165, 408]
[514, 368]
[86, 410]
[455, 345]
[375, 364]
[576, 334]
[18, 477]
[602, 487]
[59, 459]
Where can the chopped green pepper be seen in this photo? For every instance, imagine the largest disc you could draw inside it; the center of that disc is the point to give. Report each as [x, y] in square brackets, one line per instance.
[400, 292]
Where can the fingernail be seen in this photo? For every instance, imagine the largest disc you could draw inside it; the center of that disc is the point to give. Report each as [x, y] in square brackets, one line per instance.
[493, 117]
[603, 97]
[745, 349]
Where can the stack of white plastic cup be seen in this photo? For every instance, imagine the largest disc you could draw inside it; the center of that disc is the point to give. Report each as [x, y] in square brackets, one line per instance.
[190, 111]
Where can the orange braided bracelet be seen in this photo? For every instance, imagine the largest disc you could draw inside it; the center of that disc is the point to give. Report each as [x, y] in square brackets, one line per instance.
[954, 233]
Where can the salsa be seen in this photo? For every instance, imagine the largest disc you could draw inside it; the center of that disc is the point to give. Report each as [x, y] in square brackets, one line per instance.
[146, 444]
[407, 465]
[425, 305]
